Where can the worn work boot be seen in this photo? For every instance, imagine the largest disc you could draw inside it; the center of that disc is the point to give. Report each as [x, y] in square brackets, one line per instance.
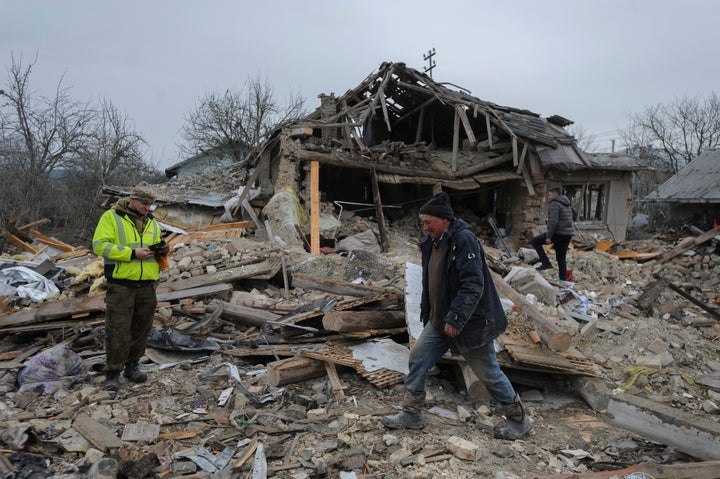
[411, 416]
[517, 424]
[112, 380]
[404, 420]
[133, 373]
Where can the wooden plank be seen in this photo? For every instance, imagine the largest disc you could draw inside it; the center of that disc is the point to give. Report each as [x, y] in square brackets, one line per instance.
[294, 370]
[521, 163]
[194, 292]
[17, 242]
[689, 243]
[226, 276]
[353, 321]
[57, 244]
[335, 383]
[345, 288]
[456, 142]
[71, 254]
[98, 435]
[379, 214]
[314, 207]
[242, 314]
[472, 141]
[489, 131]
[714, 312]
[224, 227]
[552, 336]
[69, 307]
[41, 222]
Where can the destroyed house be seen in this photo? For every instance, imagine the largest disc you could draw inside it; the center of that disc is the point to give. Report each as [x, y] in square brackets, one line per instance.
[692, 194]
[386, 145]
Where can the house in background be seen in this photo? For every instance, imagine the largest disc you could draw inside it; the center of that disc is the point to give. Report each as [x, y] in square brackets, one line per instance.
[399, 136]
[692, 195]
[207, 161]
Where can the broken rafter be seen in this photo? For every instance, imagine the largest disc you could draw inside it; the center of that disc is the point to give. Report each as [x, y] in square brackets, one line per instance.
[466, 124]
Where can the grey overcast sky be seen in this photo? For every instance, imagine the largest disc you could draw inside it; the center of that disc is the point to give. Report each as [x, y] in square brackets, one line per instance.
[592, 61]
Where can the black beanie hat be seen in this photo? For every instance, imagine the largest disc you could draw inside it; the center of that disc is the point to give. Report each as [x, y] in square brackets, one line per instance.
[439, 205]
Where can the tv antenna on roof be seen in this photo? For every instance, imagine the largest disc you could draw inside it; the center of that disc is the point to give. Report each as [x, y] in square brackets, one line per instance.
[428, 57]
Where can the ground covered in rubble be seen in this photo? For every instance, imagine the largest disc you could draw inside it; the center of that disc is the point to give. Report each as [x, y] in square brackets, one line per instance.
[308, 430]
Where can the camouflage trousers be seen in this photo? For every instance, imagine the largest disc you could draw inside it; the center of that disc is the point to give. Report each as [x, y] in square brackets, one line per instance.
[128, 321]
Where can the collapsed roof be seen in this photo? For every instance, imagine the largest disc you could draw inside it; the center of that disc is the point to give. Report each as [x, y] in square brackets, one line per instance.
[408, 128]
[696, 183]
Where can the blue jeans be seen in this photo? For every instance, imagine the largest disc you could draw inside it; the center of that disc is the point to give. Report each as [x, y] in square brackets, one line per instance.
[430, 347]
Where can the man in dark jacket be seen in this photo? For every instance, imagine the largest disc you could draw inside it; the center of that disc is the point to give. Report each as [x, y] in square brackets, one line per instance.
[460, 311]
[559, 232]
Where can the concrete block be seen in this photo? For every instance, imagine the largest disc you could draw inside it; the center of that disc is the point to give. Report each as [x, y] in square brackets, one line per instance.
[688, 433]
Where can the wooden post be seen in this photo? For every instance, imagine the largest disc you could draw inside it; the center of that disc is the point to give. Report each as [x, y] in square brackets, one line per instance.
[294, 370]
[456, 141]
[489, 130]
[421, 120]
[551, 335]
[379, 212]
[475, 388]
[314, 207]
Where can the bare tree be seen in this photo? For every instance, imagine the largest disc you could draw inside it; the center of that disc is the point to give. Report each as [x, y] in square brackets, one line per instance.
[681, 130]
[233, 121]
[111, 155]
[113, 151]
[584, 140]
[56, 153]
[39, 136]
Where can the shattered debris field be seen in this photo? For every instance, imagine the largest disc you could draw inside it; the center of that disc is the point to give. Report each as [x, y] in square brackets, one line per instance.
[268, 362]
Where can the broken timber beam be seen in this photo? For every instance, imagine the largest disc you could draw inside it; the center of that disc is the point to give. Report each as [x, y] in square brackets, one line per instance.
[353, 321]
[242, 314]
[689, 243]
[379, 212]
[294, 370]
[552, 336]
[344, 288]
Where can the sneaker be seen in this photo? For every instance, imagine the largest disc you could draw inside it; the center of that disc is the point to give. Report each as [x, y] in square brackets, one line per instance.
[544, 267]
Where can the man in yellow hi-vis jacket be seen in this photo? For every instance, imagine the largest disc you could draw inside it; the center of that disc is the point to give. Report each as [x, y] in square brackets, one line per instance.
[123, 237]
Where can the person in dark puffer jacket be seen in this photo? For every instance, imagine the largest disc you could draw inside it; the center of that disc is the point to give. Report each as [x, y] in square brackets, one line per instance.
[460, 311]
[559, 232]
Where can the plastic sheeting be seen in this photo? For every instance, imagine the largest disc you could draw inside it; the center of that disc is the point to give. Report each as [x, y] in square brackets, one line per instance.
[52, 369]
[171, 339]
[26, 283]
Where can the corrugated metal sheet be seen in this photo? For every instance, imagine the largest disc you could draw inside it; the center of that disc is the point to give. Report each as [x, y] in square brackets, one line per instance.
[698, 182]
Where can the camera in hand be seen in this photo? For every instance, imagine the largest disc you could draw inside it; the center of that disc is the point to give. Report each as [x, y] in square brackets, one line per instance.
[157, 247]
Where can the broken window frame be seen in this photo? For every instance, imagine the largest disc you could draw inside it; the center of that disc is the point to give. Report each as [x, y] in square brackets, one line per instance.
[590, 200]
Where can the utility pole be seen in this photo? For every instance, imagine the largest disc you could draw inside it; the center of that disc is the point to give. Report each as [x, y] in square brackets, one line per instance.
[428, 57]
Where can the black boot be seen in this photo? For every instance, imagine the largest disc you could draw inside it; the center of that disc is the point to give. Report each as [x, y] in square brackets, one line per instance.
[411, 416]
[112, 380]
[404, 420]
[133, 373]
[517, 424]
